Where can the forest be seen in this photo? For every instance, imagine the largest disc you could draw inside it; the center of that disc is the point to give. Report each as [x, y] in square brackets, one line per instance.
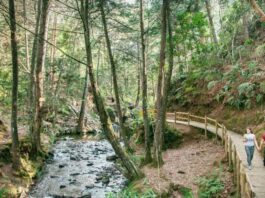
[132, 98]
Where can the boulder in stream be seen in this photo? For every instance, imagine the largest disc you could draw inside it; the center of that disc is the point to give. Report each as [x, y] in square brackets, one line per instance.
[112, 158]
[86, 195]
[62, 165]
[90, 164]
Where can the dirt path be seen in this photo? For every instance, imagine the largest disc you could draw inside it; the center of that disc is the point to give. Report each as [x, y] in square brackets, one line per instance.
[195, 158]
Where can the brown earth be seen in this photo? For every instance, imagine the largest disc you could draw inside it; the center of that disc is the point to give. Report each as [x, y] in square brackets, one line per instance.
[195, 158]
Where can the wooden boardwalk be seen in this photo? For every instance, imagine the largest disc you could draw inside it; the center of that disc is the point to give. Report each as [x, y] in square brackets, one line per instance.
[250, 183]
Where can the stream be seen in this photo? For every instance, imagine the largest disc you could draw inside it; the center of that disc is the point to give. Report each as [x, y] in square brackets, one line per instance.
[79, 168]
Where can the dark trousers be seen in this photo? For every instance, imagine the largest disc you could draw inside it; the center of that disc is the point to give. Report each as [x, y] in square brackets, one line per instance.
[250, 153]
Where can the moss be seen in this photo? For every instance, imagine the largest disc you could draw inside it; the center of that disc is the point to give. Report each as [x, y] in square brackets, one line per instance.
[9, 191]
[5, 155]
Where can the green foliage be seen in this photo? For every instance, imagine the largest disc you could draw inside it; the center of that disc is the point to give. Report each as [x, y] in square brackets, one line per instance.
[210, 186]
[246, 89]
[172, 138]
[3, 192]
[111, 113]
[211, 84]
[5, 86]
[129, 193]
[186, 192]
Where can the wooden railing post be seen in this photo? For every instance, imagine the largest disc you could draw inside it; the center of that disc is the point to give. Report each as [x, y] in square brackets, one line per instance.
[205, 130]
[234, 164]
[238, 162]
[242, 181]
[223, 134]
[216, 129]
[226, 144]
[230, 152]
[175, 119]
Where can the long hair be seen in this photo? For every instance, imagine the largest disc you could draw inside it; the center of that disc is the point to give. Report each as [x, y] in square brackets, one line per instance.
[250, 130]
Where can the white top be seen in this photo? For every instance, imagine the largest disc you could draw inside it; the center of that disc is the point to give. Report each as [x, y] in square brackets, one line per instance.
[250, 138]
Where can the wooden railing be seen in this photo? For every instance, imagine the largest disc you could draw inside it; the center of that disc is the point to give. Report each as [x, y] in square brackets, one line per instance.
[241, 180]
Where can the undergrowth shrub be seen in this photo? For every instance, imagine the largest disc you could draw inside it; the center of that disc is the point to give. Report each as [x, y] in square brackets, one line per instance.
[129, 193]
[172, 137]
[210, 186]
[3, 192]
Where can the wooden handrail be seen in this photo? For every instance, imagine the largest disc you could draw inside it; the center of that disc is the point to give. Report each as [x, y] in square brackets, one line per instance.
[241, 180]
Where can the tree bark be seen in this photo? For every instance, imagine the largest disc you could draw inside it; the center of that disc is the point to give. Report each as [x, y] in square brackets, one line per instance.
[158, 136]
[257, 9]
[53, 50]
[167, 83]
[80, 124]
[14, 131]
[148, 157]
[39, 97]
[132, 171]
[32, 76]
[245, 21]
[138, 77]
[114, 77]
[210, 18]
[26, 35]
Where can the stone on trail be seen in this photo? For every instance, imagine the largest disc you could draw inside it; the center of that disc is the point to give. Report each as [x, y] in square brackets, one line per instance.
[181, 172]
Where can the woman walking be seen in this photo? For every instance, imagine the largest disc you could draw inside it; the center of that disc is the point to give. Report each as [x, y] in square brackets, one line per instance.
[262, 145]
[250, 143]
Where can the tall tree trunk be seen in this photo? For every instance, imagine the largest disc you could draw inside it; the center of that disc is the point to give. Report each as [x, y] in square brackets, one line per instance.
[167, 83]
[80, 124]
[26, 35]
[39, 97]
[132, 171]
[148, 157]
[114, 77]
[53, 50]
[32, 75]
[245, 21]
[98, 64]
[158, 136]
[15, 141]
[210, 18]
[138, 77]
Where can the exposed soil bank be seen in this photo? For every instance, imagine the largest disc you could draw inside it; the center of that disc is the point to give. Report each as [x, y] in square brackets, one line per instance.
[196, 157]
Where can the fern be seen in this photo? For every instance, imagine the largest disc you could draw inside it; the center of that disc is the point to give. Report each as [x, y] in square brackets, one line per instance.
[211, 84]
[259, 98]
[245, 88]
[210, 186]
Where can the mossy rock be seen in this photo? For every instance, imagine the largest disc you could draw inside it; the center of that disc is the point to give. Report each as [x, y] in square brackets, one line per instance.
[111, 114]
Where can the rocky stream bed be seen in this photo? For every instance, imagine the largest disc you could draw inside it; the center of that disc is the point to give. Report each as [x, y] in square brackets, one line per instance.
[79, 169]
